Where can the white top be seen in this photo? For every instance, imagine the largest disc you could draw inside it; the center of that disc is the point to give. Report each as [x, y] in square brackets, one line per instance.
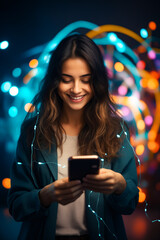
[70, 217]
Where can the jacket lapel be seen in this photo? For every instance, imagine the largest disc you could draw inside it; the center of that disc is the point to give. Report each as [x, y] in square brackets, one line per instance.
[50, 158]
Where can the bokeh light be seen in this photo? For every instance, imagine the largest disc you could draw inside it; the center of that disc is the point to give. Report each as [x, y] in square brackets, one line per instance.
[5, 86]
[152, 25]
[144, 82]
[13, 91]
[152, 54]
[153, 146]
[122, 90]
[140, 149]
[143, 33]
[16, 72]
[112, 37]
[141, 64]
[153, 84]
[148, 120]
[119, 67]
[13, 111]
[140, 124]
[29, 107]
[4, 45]
[6, 183]
[33, 63]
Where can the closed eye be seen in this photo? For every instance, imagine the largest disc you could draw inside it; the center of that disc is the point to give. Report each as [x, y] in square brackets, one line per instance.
[85, 81]
[66, 80]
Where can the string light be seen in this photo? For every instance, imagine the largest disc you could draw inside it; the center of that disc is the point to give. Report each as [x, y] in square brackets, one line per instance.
[95, 211]
[145, 84]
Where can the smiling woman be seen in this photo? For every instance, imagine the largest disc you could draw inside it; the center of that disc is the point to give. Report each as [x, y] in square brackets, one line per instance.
[75, 116]
[75, 87]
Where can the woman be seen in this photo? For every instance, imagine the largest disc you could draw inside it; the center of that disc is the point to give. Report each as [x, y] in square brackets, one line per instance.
[76, 116]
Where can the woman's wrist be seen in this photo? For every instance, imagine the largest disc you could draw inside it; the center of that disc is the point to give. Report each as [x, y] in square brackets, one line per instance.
[121, 184]
[45, 195]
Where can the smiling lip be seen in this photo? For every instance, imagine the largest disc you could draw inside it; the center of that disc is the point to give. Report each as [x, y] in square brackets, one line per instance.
[76, 98]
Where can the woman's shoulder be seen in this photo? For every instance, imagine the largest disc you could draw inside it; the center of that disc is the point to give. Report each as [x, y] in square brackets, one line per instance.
[27, 129]
[28, 123]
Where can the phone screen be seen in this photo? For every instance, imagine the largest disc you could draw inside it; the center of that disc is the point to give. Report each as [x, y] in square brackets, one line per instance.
[80, 166]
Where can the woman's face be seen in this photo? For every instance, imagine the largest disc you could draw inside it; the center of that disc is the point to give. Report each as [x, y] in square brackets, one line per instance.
[75, 86]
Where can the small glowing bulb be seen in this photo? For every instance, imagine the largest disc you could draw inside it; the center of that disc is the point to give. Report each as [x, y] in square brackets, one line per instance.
[4, 45]
[19, 163]
[40, 163]
[143, 33]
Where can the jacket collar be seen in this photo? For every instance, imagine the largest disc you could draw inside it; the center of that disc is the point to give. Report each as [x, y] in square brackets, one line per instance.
[50, 157]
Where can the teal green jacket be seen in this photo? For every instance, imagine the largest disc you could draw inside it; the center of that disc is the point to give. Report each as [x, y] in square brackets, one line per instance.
[39, 223]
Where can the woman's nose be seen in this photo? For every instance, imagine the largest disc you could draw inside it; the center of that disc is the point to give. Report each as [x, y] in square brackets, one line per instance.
[76, 87]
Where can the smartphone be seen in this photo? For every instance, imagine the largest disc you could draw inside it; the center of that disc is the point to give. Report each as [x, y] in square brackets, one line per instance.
[80, 166]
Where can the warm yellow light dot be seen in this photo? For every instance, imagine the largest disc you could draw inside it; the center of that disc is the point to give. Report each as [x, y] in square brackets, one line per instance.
[153, 146]
[140, 124]
[142, 197]
[33, 63]
[29, 107]
[153, 84]
[140, 149]
[6, 183]
[119, 67]
[144, 82]
[151, 135]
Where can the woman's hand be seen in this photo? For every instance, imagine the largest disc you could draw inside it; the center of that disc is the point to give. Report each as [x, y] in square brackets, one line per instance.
[107, 182]
[61, 191]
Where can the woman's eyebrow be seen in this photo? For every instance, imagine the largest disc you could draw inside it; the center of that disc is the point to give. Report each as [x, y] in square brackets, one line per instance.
[85, 75]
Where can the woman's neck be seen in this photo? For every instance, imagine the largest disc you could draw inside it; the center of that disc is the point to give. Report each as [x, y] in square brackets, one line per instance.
[72, 122]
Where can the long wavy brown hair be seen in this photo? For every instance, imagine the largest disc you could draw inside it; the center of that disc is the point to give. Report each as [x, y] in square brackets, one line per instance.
[101, 121]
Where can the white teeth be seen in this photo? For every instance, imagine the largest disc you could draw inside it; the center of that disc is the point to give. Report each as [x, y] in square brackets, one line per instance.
[76, 98]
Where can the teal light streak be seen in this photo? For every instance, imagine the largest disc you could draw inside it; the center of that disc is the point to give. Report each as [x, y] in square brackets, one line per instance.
[128, 51]
[63, 33]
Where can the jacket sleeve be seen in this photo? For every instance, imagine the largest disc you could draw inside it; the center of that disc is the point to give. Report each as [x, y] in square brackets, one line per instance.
[23, 200]
[124, 163]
